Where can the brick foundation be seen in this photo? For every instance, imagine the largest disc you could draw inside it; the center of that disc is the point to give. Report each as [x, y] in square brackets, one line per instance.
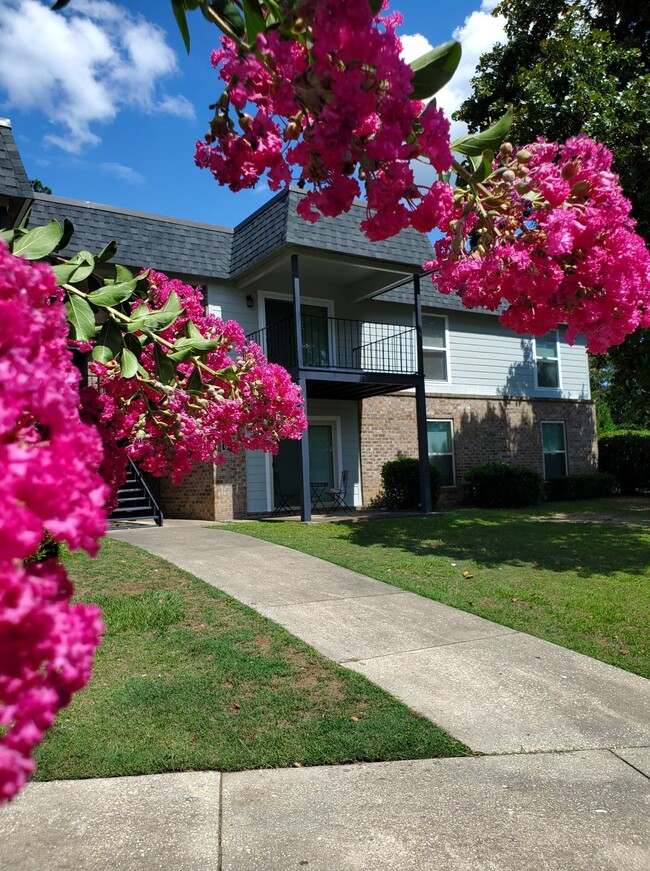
[209, 492]
[485, 430]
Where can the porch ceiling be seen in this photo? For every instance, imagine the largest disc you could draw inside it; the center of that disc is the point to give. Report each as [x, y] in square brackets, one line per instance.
[354, 390]
[357, 278]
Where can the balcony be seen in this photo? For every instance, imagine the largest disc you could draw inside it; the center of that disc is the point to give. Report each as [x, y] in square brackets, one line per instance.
[340, 346]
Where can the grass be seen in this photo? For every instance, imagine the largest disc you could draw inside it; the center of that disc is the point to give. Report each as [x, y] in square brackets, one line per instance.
[186, 678]
[583, 585]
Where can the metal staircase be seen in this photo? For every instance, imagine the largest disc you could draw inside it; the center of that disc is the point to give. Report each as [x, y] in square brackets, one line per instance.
[135, 500]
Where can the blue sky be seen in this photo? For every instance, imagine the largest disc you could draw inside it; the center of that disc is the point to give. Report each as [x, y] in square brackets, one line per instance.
[106, 105]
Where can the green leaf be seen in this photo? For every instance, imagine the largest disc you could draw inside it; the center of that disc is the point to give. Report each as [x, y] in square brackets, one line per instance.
[178, 8]
[434, 69]
[39, 242]
[75, 270]
[113, 294]
[474, 144]
[172, 303]
[227, 12]
[193, 331]
[184, 348]
[255, 22]
[80, 317]
[122, 274]
[482, 166]
[195, 382]
[154, 321]
[8, 236]
[109, 342]
[128, 363]
[164, 366]
[68, 233]
[107, 253]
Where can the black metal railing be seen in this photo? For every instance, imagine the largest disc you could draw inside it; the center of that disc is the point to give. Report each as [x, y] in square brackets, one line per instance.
[340, 343]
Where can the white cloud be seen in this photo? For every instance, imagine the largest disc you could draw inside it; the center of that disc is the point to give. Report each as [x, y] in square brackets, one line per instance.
[414, 46]
[82, 67]
[122, 172]
[477, 35]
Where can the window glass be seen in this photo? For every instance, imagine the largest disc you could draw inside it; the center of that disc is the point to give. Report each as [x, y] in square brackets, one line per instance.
[440, 446]
[434, 343]
[433, 331]
[554, 448]
[547, 360]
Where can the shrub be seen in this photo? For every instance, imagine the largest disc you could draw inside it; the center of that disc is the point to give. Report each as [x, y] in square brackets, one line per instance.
[626, 455]
[499, 485]
[47, 549]
[401, 481]
[591, 485]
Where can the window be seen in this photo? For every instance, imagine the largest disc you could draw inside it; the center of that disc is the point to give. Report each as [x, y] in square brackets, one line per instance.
[434, 343]
[547, 360]
[554, 448]
[440, 438]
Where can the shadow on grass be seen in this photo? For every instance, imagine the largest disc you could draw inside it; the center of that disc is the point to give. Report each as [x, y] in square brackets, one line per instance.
[496, 538]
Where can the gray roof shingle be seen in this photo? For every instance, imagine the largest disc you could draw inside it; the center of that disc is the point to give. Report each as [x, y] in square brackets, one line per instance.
[13, 178]
[343, 236]
[14, 184]
[167, 244]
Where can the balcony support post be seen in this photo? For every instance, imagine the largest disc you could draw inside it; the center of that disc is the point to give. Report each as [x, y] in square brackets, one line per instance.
[421, 405]
[305, 490]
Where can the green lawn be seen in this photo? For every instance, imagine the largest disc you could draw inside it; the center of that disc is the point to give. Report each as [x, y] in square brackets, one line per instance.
[584, 585]
[187, 678]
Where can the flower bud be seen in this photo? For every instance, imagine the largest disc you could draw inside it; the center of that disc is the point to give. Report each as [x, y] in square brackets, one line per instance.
[523, 156]
[570, 170]
[580, 189]
[523, 186]
[506, 149]
[245, 121]
[509, 176]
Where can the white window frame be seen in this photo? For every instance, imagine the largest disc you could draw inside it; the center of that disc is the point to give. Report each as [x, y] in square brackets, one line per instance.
[444, 350]
[453, 452]
[566, 452]
[555, 359]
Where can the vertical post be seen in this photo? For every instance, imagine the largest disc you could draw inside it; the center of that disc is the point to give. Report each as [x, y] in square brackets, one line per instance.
[421, 405]
[305, 491]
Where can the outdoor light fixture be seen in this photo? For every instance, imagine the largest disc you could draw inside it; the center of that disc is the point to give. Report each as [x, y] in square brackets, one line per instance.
[250, 302]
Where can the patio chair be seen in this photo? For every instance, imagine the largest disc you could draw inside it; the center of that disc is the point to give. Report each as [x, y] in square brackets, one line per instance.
[338, 494]
[284, 500]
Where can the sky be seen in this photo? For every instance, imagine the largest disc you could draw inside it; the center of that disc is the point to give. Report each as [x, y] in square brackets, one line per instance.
[106, 105]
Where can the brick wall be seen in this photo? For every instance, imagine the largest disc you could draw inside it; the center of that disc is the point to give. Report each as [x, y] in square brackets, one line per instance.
[485, 430]
[209, 492]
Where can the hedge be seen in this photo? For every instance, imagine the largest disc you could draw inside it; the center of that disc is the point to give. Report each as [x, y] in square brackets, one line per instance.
[590, 485]
[401, 483]
[626, 455]
[499, 485]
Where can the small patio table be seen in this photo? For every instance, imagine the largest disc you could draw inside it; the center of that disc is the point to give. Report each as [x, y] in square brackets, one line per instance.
[318, 489]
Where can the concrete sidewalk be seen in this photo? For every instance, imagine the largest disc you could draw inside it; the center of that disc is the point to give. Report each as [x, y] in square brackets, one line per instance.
[569, 789]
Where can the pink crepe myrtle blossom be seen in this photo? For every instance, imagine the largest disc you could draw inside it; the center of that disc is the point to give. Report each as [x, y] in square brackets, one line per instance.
[245, 402]
[48, 468]
[331, 112]
[552, 237]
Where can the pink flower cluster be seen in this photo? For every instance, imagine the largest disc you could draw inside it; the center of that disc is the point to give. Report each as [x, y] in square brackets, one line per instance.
[552, 237]
[244, 403]
[48, 469]
[335, 105]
